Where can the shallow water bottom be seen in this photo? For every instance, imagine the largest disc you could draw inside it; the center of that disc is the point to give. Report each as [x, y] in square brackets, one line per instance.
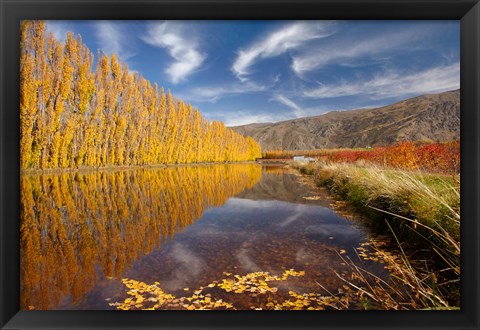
[273, 245]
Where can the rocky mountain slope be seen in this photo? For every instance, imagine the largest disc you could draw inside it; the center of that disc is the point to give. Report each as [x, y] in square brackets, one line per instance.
[432, 117]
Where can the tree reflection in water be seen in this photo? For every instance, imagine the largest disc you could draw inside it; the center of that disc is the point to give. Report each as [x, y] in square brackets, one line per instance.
[76, 227]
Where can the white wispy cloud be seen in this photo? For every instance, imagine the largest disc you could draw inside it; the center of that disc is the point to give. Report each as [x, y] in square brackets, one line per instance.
[245, 260]
[188, 266]
[299, 210]
[352, 51]
[215, 93]
[288, 37]
[395, 84]
[297, 110]
[112, 37]
[183, 48]
[58, 28]
[247, 116]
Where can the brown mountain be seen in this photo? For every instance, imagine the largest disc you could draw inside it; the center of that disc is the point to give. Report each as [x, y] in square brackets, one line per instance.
[431, 117]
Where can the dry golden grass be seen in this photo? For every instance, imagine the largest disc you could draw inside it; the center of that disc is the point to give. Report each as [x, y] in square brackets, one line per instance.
[433, 200]
[417, 207]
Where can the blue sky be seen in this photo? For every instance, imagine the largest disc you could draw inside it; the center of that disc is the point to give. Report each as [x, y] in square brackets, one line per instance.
[241, 72]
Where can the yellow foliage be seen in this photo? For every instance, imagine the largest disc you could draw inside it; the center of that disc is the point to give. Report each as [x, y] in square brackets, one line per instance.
[106, 115]
[68, 227]
[151, 297]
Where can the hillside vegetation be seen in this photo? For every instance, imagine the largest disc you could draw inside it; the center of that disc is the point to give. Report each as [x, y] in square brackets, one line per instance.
[74, 115]
[428, 118]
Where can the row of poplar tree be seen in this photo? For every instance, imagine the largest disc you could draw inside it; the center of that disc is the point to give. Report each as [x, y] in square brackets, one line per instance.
[77, 112]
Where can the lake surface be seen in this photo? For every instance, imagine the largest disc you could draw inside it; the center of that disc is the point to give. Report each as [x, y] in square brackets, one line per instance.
[237, 236]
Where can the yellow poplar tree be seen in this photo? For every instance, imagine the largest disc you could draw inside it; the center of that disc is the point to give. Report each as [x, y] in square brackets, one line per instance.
[73, 115]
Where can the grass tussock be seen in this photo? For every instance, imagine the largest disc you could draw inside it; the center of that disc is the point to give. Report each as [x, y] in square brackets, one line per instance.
[421, 214]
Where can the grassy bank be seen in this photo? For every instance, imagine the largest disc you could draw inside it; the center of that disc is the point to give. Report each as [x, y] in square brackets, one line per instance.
[420, 212]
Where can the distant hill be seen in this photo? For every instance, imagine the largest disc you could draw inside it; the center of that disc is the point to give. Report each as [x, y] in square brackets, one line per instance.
[432, 117]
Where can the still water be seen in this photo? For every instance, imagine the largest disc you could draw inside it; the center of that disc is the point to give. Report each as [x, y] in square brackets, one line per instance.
[237, 236]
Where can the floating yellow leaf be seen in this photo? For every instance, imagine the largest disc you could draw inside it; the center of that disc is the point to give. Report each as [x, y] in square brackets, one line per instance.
[142, 294]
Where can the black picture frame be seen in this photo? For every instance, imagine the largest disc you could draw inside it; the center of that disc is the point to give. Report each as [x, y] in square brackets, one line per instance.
[12, 11]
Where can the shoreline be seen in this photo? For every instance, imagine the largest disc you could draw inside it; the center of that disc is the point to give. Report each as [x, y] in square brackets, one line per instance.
[87, 169]
[409, 216]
